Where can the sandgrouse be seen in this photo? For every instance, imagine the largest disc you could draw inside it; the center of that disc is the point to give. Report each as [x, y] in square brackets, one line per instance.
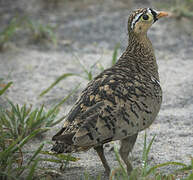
[121, 101]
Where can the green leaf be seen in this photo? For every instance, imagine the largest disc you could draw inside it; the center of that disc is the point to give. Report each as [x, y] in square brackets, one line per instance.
[5, 88]
[63, 76]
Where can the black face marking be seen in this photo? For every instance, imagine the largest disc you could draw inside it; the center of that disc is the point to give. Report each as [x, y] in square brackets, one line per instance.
[154, 14]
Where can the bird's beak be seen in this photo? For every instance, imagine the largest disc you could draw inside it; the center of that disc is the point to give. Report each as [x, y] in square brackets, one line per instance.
[161, 14]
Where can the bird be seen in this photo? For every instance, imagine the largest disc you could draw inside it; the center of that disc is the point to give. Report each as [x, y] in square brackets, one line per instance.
[119, 102]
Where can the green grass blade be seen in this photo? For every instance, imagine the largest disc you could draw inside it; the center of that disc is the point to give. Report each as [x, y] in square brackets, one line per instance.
[9, 149]
[90, 72]
[51, 160]
[50, 116]
[53, 111]
[82, 66]
[187, 168]
[190, 177]
[8, 32]
[32, 170]
[149, 146]
[99, 177]
[35, 154]
[144, 147]
[56, 122]
[146, 154]
[119, 161]
[61, 156]
[90, 77]
[15, 118]
[158, 177]
[192, 162]
[86, 176]
[100, 66]
[37, 123]
[8, 176]
[31, 119]
[62, 77]
[39, 115]
[115, 52]
[164, 164]
[15, 109]
[51, 34]
[6, 122]
[134, 174]
[5, 88]
[68, 96]
[28, 138]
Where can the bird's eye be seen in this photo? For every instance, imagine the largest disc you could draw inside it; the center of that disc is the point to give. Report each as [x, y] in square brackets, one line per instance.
[145, 17]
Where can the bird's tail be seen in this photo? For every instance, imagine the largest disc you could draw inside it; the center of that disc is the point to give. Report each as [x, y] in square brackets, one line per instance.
[60, 147]
[65, 144]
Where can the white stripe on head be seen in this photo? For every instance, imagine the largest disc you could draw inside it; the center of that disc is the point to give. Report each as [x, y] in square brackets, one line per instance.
[148, 10]
[154, 13]
[135, 20]
[153, 10]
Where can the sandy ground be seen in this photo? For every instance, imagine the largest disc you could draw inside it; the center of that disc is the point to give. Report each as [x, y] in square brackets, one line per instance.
[89, 31]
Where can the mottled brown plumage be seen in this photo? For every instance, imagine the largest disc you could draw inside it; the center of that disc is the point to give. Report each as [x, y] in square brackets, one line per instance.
[121, 101]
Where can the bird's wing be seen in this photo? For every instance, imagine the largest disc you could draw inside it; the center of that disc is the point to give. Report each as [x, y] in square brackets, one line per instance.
[107, 110]
[108, 118]
[88, 102]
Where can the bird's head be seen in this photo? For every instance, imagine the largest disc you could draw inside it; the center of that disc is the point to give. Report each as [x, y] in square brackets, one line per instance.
[141, 20]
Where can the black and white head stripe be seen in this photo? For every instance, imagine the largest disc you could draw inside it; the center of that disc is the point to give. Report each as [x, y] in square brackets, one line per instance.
[154, 13]
[138, 16]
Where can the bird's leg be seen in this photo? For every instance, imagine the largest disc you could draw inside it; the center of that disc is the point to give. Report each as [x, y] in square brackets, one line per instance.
[100, 152]
[126, 147]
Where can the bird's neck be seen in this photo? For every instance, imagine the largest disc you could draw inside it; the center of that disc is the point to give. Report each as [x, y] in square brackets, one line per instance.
[140, 54]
